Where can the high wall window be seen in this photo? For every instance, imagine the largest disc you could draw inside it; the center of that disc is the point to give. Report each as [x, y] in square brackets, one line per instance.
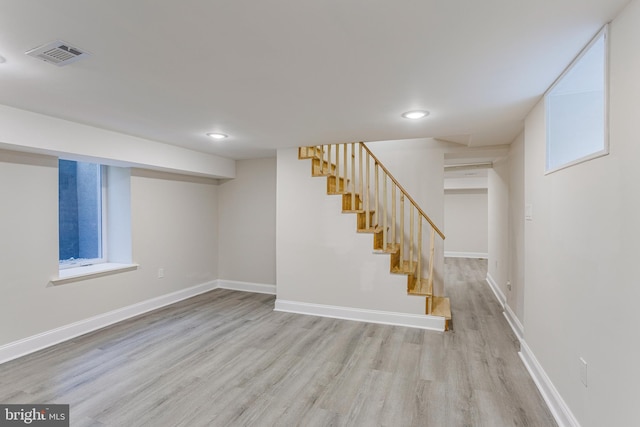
[576, 109]
[81, 213]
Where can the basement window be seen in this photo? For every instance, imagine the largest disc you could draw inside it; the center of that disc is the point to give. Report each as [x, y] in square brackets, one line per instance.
[576, 109]
[94, 220]
[81, 213]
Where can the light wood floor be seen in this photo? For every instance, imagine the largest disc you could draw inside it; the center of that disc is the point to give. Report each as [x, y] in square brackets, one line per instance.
[225, 358]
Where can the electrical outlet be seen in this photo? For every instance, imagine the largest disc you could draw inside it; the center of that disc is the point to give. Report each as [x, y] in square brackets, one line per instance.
[160, 273]
[583, 371]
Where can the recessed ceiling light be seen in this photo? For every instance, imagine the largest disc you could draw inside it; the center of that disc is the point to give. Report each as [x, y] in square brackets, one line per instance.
[216, 135]
[415, 114]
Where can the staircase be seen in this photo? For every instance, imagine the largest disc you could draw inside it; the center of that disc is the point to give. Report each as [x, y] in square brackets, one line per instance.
[386, 211]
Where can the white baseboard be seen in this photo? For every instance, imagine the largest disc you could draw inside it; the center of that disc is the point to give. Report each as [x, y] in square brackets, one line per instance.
[496, 290]
[559, 409]
[514, 322]
[235, 285]
[477, 255]
[362, 315]
[34, 343]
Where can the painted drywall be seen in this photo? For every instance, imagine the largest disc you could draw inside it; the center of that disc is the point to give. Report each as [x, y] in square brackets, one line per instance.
[174, 226]
[498, 225]
[27, 131]
[581, 251]
[515, 295]
[247, 212]
[418, 164]
[506, 231]
[320, 257]
[465, 183]
[466, 222]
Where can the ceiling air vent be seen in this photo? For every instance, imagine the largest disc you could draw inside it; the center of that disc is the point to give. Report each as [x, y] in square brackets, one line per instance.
[58, 52]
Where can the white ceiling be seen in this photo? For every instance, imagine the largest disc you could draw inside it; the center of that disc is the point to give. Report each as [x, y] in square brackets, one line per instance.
[283, 73]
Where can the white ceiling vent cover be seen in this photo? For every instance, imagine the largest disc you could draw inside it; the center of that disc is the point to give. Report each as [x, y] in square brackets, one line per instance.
[58, 52]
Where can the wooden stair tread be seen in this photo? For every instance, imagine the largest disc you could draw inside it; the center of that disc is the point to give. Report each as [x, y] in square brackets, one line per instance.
[421, 289]
[372, 229]
[405, 268]
[306, 152]
[441, 307]
[325, 170]
[316, 157]
[322, 173]
[391, 248]
[360, 211]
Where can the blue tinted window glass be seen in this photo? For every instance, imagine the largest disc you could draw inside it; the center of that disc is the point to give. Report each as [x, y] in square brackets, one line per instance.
[80, 211]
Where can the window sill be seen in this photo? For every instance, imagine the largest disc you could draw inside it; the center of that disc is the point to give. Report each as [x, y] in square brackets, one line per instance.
[76, 274]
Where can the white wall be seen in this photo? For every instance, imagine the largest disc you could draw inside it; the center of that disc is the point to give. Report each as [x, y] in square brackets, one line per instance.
[465, 183]
[581, 251]
[174, 226]
[418, 164]
[247, 210]
[498, 263]
[320, 257]
[515, 295]
[466, 223]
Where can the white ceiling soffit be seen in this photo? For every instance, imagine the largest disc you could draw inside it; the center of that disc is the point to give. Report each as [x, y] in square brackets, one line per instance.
[283, 73]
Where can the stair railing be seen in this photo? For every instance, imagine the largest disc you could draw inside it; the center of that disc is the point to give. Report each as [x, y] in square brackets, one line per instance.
[351, 165]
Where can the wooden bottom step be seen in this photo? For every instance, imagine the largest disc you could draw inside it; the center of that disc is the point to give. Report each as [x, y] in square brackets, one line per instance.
[441, 307]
